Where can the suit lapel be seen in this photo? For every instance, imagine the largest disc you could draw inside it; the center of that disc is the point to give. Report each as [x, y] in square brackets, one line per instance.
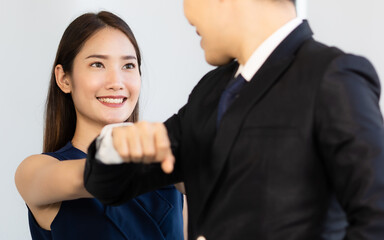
[250, 95]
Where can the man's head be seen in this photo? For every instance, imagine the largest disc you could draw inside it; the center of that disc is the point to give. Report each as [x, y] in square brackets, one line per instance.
[230, 28]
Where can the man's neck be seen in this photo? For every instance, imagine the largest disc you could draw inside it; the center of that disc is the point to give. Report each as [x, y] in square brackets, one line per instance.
[257, 21]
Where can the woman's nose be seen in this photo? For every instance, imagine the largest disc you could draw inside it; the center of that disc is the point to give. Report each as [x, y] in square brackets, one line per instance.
[114, 80]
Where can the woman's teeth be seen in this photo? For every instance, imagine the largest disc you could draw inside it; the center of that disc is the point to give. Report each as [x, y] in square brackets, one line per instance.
[111, 100]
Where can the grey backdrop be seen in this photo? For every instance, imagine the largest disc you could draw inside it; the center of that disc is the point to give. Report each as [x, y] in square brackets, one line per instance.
[172, 64]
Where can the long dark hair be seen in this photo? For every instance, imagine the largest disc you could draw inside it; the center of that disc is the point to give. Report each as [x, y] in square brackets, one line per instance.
[60, 115]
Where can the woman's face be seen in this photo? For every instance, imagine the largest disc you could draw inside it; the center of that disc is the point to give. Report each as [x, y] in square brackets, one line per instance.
[105, 80]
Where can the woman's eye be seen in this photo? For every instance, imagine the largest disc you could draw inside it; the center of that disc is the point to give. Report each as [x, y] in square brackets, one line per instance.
[97, 65]
[129, 66]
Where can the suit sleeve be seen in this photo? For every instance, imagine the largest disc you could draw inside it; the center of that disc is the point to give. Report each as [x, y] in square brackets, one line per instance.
[118, 183]
[350, 135]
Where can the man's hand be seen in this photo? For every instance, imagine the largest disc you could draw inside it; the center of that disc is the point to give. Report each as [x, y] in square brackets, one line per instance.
[144, 142]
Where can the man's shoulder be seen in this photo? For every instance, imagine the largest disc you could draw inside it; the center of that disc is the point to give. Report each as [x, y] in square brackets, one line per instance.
[316, 50]
[316, 55]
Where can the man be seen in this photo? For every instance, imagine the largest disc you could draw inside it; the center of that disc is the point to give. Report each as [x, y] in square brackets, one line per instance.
[267, 142]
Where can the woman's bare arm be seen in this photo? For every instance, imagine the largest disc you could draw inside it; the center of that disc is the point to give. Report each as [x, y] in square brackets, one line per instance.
[43, 180]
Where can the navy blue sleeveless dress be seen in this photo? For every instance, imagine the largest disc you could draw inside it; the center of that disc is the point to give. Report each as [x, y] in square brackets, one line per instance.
[151, 216]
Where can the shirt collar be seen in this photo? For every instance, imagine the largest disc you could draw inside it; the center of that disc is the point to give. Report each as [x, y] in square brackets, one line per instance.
[261, 54]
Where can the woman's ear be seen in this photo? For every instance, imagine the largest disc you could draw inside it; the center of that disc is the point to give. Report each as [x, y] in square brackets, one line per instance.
[62, 79]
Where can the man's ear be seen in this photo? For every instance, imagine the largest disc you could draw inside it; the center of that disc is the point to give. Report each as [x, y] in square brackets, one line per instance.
[62, 79]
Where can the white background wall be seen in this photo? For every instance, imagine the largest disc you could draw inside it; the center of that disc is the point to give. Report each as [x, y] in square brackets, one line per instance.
[172, 64]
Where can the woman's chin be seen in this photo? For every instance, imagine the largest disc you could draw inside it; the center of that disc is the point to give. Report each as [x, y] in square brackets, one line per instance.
[115, 120]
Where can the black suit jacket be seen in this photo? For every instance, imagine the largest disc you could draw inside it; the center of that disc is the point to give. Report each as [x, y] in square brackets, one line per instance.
[306, 128]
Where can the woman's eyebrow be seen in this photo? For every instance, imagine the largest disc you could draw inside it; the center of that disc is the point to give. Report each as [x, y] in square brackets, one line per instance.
[97, 56]
[126, 57]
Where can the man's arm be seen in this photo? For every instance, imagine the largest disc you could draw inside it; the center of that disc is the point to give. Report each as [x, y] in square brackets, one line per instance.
[351, 139]
[117, 183]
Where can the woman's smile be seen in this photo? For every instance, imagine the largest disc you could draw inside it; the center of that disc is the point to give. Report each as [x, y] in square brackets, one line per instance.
[112, 101]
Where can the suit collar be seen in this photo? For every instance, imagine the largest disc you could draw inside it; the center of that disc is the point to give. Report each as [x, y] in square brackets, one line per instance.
[260, 55]
[291, 44]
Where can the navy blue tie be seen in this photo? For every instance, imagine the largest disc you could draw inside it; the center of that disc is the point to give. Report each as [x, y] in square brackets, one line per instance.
[229, 95]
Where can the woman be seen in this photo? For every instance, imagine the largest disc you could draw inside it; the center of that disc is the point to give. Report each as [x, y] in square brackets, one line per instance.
[95, 81]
